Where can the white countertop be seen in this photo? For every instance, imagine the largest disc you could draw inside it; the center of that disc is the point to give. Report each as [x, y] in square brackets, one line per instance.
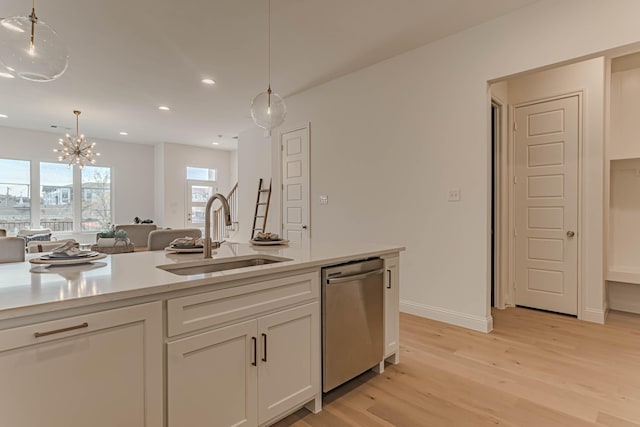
[27, 288]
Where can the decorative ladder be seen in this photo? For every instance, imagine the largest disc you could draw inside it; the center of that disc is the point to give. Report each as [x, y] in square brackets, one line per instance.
[261, 202]
[220, 230]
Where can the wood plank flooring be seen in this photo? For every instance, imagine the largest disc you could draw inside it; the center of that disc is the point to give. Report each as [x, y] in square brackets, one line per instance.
[534, 369]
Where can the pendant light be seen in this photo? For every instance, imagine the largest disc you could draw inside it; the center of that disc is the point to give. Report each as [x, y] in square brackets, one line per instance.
[268, 109]
[75, 149]
[30, 49]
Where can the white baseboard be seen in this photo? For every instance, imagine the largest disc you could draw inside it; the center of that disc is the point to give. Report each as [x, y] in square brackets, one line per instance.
[593, 315]
[464, 320]
[628, 306]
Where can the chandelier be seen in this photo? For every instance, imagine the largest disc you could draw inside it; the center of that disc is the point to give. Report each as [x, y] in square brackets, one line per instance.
[75, 149]
[268, 109]
[30, 49]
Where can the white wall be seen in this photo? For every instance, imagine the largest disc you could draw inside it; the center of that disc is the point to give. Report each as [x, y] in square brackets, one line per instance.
[233, 166]
[158, 182]
[587, 78]
[388, 142]
[254, 162]
[172, 172]
[131, 167]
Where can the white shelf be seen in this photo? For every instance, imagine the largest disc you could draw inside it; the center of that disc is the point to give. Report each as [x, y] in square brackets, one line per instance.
[623, 274]
[614, 157]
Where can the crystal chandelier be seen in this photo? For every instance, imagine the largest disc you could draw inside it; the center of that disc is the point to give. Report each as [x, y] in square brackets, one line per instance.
[30, 49]
[75, 149]
[268, 109]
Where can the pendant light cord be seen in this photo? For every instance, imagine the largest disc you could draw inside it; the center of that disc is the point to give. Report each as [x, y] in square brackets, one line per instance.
[34, 19]
[269, 43]
[77, 113]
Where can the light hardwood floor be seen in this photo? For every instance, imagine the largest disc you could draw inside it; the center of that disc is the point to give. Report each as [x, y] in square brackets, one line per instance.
[535, 369]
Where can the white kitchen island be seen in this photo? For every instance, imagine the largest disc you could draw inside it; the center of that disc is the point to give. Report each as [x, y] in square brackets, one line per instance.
[121, 342]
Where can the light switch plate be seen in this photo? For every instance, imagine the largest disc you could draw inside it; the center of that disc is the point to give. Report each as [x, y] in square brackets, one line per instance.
[454, 194]
[324, 200]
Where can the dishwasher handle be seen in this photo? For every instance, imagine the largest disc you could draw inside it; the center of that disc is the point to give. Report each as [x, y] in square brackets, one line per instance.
[362, 276]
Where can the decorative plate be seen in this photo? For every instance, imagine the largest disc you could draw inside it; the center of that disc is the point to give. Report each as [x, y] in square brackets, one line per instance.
[269, 242]
[45, 259]
[184, 250]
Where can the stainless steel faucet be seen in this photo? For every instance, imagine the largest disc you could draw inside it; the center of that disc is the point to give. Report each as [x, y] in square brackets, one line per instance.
[207, 220]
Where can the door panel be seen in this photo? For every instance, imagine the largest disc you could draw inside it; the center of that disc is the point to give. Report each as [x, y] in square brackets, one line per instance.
[211, 380]
[546, 147]
[295, 185]
[289, 356]
[198, 192]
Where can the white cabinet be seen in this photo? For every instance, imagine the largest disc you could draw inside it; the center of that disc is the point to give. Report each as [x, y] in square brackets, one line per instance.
[212, 378]
[102, 369]
[391, 309]
[289, 362]
[251, 372]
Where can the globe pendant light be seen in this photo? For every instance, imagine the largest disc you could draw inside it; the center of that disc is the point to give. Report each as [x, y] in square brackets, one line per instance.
[268, 109]
[31, 50]
[75, 149]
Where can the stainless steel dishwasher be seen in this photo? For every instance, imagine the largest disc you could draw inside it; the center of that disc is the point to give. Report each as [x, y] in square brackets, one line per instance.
[352, 320]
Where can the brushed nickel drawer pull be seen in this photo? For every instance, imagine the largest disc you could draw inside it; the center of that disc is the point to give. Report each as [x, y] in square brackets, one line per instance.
[264, 341]
[254, 343]
[58, 331]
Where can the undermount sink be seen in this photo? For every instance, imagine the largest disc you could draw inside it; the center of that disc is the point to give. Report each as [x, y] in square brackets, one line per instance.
[215, 265]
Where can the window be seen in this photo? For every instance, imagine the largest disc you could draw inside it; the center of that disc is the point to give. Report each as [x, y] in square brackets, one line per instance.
[96, 198]
[201, 174]
[15, 195]
[71, 199]
[56, 196]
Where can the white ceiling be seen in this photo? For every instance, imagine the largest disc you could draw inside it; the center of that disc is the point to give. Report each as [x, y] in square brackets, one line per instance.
[129, 56]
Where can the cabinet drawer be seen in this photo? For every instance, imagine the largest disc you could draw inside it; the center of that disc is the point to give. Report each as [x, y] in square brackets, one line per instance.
[194, 312]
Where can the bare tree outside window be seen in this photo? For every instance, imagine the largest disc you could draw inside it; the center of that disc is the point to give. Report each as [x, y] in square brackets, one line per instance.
[96, 198]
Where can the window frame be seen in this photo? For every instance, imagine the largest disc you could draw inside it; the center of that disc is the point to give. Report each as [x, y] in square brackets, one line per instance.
[35, 184]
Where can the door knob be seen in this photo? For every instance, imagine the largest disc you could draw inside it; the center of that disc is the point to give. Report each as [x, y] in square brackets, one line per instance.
[304, 227]
[570, 234]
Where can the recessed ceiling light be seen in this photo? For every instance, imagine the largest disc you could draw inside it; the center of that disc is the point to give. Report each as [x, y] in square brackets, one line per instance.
[164, 108]
[124, 133]
[3, 116]
[7, 75]
[215, 143]
[208, 81]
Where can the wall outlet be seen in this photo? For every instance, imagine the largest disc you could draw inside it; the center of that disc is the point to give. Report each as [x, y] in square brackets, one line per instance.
[454, 194]
[324, 200]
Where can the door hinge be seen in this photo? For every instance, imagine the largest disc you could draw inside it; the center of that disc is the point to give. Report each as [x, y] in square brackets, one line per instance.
[515, 179]
[515, 126]
[282, 186]
[515, 233]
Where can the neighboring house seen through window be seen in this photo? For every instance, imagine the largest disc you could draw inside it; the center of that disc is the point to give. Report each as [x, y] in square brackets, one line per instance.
[57, 207]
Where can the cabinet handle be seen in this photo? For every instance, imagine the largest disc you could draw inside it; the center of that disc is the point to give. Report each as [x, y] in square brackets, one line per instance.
[264, 346]
[388, 279]
[58, 331]
[254, 342]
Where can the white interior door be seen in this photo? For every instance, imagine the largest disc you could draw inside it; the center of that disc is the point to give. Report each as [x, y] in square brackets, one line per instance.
[294, 146]
[198, 192]
[546, 209]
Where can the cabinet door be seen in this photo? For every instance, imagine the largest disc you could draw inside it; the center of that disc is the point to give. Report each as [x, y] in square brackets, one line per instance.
[289, 359]
[391, 307]
[212, 378]
[102, 370]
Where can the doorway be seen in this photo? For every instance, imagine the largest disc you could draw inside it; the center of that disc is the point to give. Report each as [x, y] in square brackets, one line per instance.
[495, 146]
